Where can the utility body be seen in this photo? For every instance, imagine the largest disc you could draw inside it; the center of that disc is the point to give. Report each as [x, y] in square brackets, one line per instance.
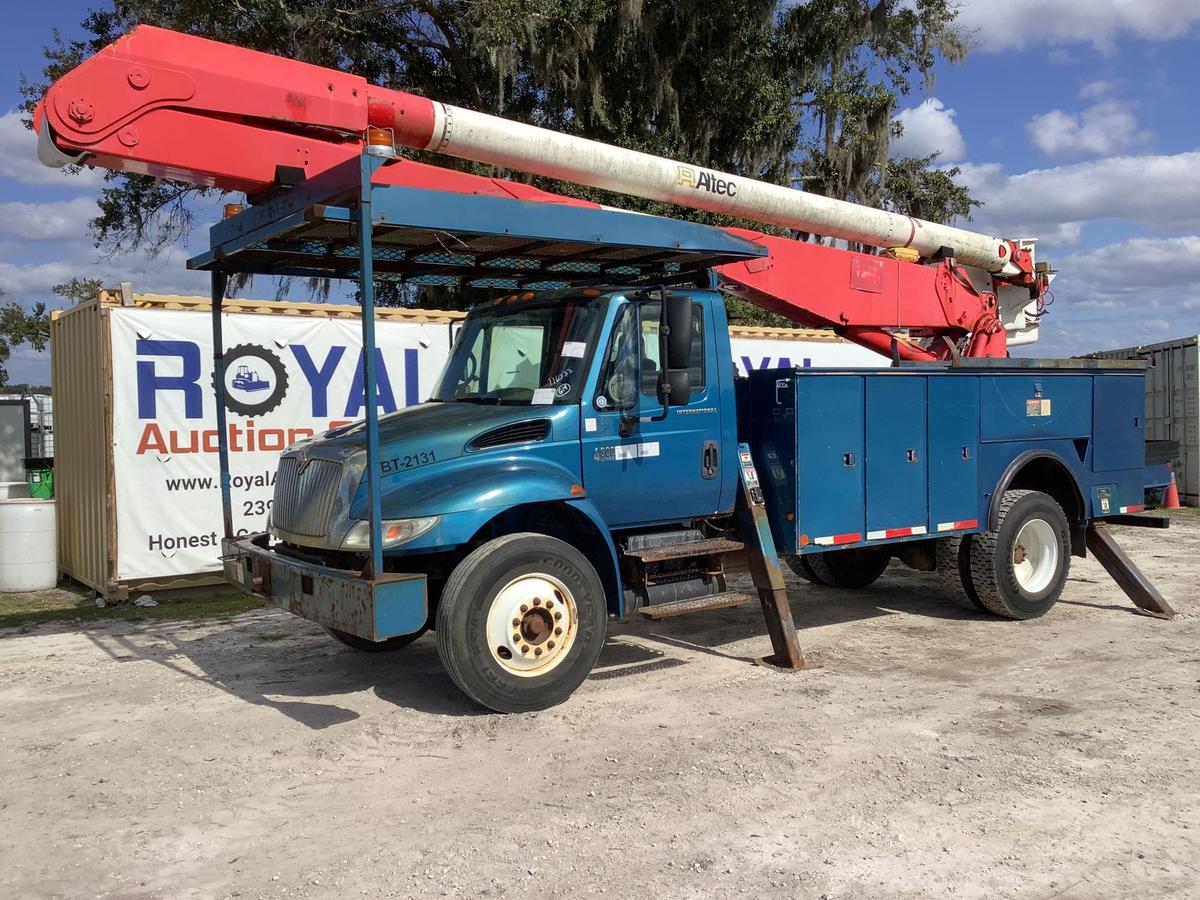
[589, 452]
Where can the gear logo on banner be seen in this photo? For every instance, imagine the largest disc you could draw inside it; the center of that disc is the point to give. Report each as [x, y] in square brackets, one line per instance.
[255, 380]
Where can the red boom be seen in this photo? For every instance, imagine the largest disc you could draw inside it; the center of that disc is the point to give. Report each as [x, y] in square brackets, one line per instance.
[175, 106]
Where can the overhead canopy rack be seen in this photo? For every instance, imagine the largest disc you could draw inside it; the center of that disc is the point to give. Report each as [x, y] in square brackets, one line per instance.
[439, 238]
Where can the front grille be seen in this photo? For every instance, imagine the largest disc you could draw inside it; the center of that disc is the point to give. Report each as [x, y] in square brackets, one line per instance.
[305, 498]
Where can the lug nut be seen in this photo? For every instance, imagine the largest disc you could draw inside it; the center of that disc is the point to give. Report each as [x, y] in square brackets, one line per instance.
[537, 652]
[524, 608]
[557, 617]
[557, 632]
[516, 622]
[516, 638]
[549, 604]
[550, 644]
[524, 648]
[537, 601]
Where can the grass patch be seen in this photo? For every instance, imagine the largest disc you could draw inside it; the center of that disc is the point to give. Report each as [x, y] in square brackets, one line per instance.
[1186, 512]
[75, 605]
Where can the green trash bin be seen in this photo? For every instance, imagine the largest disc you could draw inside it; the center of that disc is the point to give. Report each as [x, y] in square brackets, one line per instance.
[39, 475]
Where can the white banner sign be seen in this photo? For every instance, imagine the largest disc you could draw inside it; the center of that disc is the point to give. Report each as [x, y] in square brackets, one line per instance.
[286, 378]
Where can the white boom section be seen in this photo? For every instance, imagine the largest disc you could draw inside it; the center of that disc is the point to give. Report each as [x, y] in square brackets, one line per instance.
[488, 139]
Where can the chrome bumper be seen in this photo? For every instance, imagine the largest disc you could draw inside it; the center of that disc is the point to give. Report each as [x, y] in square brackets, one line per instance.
[371, 609]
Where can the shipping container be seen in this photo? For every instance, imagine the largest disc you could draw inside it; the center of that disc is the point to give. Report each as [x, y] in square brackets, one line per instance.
[1172, 403]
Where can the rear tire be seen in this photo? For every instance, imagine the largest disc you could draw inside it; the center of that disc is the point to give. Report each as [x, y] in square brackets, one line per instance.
[799, 565]
[393, 643]
[1019, 570]
[954, 571]
[521, 622]
[858, 567]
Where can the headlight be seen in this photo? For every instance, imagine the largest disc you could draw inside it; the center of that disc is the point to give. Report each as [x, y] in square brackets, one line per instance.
[393, 531]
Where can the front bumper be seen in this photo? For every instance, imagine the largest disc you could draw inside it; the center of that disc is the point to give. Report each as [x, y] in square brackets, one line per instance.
[374, 610]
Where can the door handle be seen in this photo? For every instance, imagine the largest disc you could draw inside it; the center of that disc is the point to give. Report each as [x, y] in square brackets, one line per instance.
[708, 460]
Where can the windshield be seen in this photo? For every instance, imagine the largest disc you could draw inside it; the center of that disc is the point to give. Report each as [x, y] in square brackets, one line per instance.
[531, 353]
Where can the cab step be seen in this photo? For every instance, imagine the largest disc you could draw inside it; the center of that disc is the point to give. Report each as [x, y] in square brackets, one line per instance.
[727, 600]
[686, 549]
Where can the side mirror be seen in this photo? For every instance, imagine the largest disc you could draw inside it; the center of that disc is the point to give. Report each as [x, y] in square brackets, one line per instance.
[674, 387]
[677, 316]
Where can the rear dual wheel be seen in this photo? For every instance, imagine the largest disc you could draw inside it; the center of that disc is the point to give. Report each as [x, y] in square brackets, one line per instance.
[858, 567]
[1017, 570]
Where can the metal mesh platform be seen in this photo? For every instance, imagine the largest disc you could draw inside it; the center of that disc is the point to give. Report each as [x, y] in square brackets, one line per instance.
[437, 237]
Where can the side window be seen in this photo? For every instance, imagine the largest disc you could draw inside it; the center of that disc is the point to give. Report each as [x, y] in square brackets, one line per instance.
[616, 389]
[650, 314]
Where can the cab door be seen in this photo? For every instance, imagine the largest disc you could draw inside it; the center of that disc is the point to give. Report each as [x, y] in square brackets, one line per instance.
[662, 471]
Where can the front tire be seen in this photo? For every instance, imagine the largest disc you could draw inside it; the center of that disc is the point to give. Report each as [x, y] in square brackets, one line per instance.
[1019, 570]
[521, 622]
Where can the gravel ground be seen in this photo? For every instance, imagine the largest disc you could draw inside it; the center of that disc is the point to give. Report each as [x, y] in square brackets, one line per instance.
[927, 751]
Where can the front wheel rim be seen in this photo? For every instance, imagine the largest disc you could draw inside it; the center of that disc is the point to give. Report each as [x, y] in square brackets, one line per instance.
[1035, 556]
[532, 624]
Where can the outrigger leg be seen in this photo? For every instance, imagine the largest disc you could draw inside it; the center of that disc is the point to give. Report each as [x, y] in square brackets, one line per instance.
[765, 568]
[1124, 572]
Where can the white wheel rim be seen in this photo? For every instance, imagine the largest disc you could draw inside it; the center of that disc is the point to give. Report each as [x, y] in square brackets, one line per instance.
[532, 624]
[1035, 556]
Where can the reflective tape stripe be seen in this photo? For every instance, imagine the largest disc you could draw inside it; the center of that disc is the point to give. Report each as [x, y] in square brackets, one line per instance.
[835, 539]
[1137, 507]
[959, 525]
[896, 532]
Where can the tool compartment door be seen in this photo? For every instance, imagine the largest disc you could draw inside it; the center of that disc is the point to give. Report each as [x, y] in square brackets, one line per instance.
[1119, 436]
[953, 453]
[829, 458]
[896, 466]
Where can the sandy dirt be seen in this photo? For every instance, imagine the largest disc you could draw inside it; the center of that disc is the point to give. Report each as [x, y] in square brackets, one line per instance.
[928, 751]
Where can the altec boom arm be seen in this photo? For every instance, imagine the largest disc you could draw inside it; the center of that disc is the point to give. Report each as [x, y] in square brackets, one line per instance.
[172, 105]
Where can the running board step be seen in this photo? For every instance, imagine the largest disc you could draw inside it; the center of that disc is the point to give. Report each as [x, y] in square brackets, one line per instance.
[696, 604]
[682, 551]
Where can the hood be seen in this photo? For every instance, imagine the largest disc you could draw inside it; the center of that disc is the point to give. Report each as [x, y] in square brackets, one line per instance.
[435, 432]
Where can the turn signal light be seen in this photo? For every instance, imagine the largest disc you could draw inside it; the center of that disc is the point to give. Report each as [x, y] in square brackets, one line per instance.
[232, 209]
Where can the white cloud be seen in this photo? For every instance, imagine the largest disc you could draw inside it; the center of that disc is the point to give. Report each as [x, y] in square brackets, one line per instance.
[1094, 89]
[1106, 127]
[1135, 291]
[57, 220]
[18, 159]
[1158, 273]
[929, 128]
[1161, 193]
[1022, 23]
[166, 273]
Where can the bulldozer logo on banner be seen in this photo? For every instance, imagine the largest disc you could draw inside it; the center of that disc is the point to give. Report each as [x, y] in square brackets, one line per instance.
[259, 380]
[705, 181]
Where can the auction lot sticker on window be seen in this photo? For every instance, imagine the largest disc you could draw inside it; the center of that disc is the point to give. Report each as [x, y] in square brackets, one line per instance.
[285, 378]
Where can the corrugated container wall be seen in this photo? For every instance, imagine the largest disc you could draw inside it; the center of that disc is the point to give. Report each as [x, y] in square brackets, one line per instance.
[1172, 403]
[80, 370]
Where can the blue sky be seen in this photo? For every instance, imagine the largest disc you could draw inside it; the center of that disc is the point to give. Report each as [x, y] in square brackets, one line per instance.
[1075, 121]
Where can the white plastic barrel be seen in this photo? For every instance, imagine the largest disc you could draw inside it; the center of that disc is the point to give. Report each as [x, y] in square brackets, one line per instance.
[28, 551]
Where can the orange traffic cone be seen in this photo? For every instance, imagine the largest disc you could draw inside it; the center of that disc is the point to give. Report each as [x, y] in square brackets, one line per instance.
[1171, 495]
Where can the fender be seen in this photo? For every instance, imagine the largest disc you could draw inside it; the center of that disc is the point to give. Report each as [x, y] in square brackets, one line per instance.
[1015, 467]
[472, 483]
[470, 492]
